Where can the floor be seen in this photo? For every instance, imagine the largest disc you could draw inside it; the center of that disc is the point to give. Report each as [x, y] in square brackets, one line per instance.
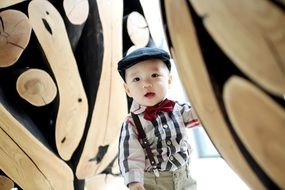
[214, 173]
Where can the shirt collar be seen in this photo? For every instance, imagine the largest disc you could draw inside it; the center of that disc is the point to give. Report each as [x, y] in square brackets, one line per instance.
[136, 108]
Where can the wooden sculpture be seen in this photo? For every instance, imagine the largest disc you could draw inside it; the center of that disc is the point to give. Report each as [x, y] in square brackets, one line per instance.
[6, 183]
[137, 29]
[76, 11]
[72, 112]
[24, 149]
[152, 14]
[7, 3]
[15, 33]
[254, 47]
[62, 100]
[108, 111]
[204, 99]
[267, 149]
[37, 87]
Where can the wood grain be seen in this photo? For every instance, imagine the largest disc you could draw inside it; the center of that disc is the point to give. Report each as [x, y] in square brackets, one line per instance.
[36, 86]
[7, 3]
[6, 183]
[73, 108]
[15, 32]
[252, 34]
[111, 103]
[259, 122]
[152, 14]
[76, 10]
[137, 29]
[195, 79]
[26, 160]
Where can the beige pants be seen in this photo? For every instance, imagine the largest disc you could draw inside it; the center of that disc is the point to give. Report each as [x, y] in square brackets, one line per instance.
[177, 180]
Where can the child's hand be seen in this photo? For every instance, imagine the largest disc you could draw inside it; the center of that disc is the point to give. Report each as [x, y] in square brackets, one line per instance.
[136, 186]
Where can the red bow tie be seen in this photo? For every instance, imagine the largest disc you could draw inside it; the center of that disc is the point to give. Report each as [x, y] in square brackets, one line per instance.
[152, 111]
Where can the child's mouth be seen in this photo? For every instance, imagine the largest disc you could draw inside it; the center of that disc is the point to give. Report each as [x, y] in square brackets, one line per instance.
[149, 94]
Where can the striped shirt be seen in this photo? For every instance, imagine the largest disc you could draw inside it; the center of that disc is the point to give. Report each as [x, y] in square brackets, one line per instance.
[167, 137]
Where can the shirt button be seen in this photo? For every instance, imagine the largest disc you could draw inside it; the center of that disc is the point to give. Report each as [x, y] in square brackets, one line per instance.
[168, 143]
[165, 126]
[171, 157]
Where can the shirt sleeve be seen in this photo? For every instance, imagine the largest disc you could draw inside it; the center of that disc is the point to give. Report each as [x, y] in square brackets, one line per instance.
[189, 116]
[131, 154]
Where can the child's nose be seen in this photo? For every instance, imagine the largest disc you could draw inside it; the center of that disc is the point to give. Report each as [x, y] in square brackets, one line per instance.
[147, 84]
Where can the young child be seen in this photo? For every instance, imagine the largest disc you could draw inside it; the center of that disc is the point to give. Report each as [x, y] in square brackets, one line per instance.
[146, 72]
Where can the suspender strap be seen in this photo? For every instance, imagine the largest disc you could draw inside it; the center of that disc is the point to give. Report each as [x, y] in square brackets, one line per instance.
[139, 127]
[144, 142]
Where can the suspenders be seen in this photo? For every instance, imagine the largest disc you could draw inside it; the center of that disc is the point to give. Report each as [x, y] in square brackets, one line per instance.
[145, 143]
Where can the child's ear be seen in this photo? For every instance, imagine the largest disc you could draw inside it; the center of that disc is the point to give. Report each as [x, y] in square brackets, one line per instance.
[127, 90]
[170, 80]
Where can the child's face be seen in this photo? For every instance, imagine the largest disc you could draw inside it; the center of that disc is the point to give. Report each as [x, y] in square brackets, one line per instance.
[147, 82]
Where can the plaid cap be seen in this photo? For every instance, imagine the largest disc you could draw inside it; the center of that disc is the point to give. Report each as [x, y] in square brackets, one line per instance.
[143, 54]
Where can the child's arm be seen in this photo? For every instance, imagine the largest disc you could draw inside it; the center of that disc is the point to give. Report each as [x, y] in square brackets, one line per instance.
[189, 116]
[131, 154]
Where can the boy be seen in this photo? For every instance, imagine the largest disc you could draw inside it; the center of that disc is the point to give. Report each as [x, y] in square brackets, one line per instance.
[164, 165]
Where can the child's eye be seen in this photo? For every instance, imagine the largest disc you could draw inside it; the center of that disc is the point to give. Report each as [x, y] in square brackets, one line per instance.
[136, 79]
[155, 75]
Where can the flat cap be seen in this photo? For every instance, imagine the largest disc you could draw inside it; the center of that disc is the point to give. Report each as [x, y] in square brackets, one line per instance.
[143, 54]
